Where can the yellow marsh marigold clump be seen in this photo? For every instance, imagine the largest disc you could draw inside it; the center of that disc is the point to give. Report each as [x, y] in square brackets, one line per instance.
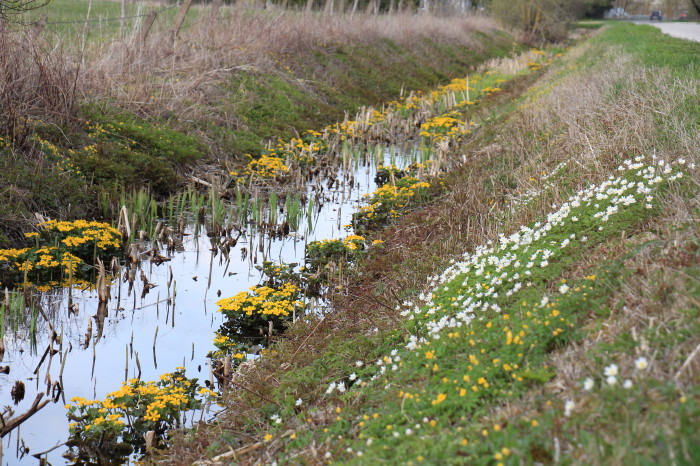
[62, 250]
[263, 301]
[266, 167]
[444, 127]
[80, 232]
[127, 414]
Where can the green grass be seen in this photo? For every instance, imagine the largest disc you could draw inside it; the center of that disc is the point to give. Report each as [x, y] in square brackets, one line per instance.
[590, 24]
[30, 186]
[66, 18]
[311, 93]
[268, 106]
[115, 148]
[653, 48]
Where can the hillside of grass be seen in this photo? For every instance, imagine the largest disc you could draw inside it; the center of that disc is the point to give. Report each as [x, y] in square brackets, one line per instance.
[88, 115]
[543, 310]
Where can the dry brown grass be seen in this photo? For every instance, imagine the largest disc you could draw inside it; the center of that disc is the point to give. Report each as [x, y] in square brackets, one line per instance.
[37, 82]
[186, 76]
[591, 121]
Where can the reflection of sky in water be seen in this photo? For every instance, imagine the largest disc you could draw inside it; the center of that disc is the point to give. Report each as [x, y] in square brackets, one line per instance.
[131, 323]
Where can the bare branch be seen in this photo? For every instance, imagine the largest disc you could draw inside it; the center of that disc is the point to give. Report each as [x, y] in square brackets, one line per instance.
[16, 421]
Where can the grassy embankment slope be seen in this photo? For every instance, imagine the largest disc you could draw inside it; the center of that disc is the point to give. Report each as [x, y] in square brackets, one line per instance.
[90, 117]
[569, 330]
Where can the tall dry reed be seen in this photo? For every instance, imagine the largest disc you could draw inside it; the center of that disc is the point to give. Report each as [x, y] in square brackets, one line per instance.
[37, 82]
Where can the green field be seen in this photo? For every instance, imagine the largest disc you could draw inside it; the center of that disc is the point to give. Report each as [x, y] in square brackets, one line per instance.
[68, 19]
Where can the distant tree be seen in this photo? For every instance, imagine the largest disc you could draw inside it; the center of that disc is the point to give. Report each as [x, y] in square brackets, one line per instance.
[543, 19]
[10, 8]
[596, 8]
[695, 4]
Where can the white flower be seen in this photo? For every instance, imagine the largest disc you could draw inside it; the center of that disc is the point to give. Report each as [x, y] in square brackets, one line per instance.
[568, 407]
[588, 384]
[641, 363]
[331, 387]
[611, 370]
[352, 376]
[395, 434]
[563, 289]
[359, 453]
[358, 363]
[612, 380]
[627, 384]
[369, 441]
[298, 402]
[341, 387]
[409, 431]
[328, 454]
[348, 449]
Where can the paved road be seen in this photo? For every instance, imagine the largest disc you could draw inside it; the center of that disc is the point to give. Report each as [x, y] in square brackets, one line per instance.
[690, 31]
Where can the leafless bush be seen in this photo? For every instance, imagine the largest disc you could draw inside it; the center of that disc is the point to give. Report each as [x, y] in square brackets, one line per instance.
[36, 83]
[538, 20]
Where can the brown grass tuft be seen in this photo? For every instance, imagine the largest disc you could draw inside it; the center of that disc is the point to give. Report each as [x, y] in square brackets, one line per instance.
[37, 82]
